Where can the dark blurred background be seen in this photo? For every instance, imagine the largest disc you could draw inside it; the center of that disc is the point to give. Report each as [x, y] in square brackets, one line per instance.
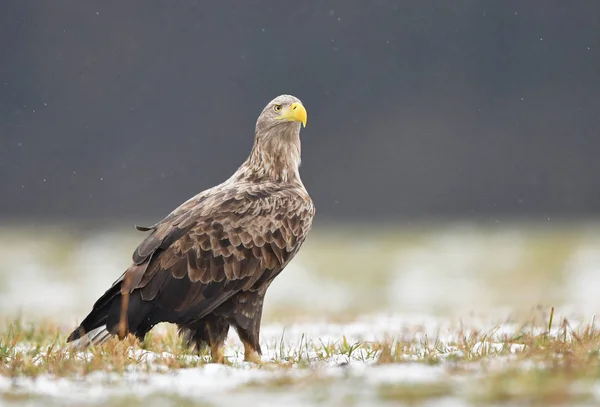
[452, 109]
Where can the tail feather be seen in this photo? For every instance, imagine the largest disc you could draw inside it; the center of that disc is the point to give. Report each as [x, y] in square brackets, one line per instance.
[99, 314]
[95, 337]
[104, 320]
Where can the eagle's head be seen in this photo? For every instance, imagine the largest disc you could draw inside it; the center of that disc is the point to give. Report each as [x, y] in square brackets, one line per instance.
[284, 113]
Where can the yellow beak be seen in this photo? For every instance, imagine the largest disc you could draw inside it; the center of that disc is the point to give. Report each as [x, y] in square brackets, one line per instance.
[295, 113]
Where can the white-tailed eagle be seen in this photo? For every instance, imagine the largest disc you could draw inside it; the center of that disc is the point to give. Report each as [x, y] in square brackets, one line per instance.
[208, 264]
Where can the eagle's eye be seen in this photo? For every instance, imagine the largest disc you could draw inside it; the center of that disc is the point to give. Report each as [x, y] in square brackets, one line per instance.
[277, 108]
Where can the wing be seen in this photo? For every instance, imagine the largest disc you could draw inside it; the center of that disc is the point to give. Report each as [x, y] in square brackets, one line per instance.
[217, 245]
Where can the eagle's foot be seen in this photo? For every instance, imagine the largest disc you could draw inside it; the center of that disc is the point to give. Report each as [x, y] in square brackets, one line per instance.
[253, 357]
[251, 354]
[217, 356]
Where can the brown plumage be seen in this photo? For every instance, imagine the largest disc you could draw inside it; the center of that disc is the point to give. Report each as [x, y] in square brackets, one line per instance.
[209, 263]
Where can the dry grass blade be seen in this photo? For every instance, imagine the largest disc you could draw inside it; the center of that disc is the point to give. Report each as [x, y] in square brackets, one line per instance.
[536, 363]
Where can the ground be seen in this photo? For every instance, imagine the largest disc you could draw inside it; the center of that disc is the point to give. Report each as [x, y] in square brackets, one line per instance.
[445, 316]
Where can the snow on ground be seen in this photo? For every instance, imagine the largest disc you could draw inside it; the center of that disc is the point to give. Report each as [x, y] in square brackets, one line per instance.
[334, 379]
[415, 284]
[356, 375]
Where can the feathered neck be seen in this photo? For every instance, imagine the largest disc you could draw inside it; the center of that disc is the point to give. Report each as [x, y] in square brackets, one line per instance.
[275, 156]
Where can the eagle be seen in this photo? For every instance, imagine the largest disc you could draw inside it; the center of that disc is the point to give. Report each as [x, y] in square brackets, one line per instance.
[208, 264]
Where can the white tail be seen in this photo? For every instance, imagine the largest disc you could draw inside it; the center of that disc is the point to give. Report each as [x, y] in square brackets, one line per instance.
[95, 337]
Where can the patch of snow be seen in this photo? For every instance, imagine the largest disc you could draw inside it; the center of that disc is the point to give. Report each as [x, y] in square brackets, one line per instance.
[291, 288]
[447, 269]
[211, 381]
[583, 270]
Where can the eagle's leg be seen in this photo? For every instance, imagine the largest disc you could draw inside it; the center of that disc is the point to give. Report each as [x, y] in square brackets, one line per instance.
[251, 354]
[216, 354]
[248, 314]
[217, 329]
[211, 331]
